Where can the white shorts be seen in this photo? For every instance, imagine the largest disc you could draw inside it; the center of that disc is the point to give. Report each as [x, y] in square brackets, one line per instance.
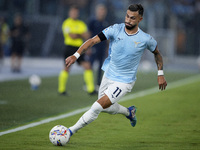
[113, 89]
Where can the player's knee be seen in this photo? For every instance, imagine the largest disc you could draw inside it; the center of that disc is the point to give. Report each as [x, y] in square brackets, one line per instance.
[97, 108]
[109, 111]
[105, 102]
[113, 109]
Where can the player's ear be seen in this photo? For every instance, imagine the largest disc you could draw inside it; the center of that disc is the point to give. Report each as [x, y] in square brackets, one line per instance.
[140, 18]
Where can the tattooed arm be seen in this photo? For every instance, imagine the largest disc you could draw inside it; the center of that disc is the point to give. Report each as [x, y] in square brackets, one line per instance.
[88, 44]
[159, 61]
[83, 48]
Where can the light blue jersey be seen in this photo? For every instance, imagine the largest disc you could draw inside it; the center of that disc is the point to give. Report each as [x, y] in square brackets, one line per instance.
[125, 52]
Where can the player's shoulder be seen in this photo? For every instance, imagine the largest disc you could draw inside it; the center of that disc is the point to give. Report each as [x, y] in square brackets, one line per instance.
[117, 26]
[145, 35]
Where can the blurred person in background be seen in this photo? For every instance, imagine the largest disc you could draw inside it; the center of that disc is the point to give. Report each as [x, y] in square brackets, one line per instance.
[96, 25]
[185, 13]
[19, 38]
[4, 36]
[75, 32]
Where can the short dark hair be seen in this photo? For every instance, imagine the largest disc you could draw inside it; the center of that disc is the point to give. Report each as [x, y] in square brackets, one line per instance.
[136, 7]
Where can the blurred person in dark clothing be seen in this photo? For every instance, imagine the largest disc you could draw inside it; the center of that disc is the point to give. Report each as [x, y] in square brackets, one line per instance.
[19, 38]
[95, 26]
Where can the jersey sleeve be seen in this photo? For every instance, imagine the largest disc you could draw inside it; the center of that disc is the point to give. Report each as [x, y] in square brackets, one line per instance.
[102, 36]
[151, 44]
[109, 31]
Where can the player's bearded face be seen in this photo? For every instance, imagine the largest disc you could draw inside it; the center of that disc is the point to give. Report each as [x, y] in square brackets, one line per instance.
[129, 26]
[132, 20]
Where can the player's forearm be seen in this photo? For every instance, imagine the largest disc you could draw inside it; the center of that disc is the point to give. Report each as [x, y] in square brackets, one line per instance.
[159, 60]
[83, 48]
[88, 44]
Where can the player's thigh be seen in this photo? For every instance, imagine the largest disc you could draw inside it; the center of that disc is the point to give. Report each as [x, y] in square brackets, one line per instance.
[103, 86]
[117, 90]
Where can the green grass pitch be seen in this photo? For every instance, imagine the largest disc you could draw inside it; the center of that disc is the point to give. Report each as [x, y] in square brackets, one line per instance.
[167, 120]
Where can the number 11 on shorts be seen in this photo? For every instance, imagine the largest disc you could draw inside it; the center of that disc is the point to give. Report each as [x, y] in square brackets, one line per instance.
[117, 92]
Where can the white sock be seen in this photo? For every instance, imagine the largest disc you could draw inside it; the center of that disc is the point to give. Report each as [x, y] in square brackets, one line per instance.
[117, 109]
[87, 117]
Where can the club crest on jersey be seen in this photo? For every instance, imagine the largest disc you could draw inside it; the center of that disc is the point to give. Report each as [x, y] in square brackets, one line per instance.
[105, 30]
[136, 43]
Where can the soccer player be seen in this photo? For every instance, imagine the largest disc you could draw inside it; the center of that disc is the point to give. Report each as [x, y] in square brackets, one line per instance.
[75, 32]
[127, 44]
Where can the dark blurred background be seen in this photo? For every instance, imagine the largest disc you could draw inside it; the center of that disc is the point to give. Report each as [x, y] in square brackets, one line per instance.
[175, 24]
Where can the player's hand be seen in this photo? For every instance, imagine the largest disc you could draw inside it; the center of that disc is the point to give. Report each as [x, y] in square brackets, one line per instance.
[162, 83]
[70, 60]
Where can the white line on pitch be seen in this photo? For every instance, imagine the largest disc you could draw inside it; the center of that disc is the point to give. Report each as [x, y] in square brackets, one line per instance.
[126, 98]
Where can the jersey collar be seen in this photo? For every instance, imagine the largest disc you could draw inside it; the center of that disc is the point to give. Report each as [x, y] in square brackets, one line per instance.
[133, 33]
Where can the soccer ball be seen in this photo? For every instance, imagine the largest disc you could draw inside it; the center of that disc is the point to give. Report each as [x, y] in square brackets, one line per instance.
[59, 135]
[35, 81]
